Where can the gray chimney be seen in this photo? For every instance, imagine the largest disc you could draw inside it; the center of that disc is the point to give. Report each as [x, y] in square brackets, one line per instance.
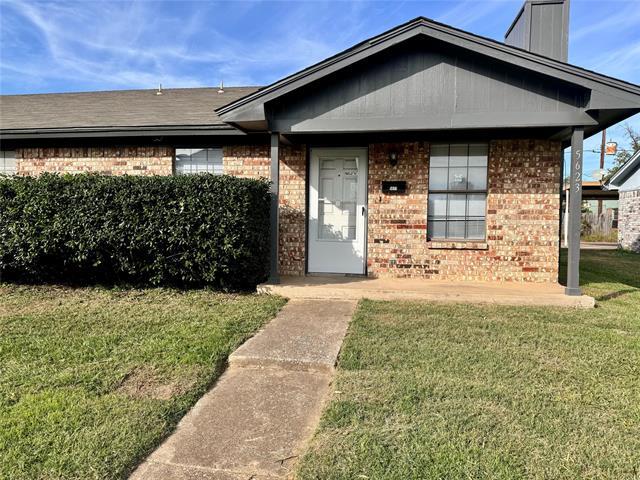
[542, 26]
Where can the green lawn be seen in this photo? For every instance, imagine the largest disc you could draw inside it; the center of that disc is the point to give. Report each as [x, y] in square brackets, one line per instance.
[92, 379]
[468, 392]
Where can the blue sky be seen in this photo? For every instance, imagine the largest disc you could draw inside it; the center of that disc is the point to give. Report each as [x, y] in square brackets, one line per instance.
[91, 45]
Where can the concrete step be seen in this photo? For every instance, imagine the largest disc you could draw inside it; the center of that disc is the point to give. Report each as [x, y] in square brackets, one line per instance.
[306, 335]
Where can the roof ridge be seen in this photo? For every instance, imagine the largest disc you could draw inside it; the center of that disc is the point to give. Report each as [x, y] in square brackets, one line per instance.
[126, 90]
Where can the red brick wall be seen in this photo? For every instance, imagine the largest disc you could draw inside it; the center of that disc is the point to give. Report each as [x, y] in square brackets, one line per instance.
[522, 205]
[106, 160]
[522, 217]
[397, 230]
[293, 167]
[249, 161]
[254, 162]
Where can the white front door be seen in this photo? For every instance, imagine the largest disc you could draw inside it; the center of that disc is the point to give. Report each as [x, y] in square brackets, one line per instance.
[337, 210]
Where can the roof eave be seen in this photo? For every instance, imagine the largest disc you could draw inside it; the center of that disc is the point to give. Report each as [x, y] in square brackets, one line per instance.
[621, 175]
[110, 132]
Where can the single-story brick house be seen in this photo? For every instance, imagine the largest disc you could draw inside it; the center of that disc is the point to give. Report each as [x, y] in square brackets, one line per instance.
[627, 182]
[425, 151]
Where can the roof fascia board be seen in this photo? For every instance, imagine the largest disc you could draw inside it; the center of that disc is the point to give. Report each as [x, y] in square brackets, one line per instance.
[491, 48]
[621, 175]
[524, 59]
[608, 100]
[109, 133]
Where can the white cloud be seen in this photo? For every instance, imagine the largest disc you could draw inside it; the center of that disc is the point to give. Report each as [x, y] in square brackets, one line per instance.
[132, 45]
[627, 17]
[467, 13]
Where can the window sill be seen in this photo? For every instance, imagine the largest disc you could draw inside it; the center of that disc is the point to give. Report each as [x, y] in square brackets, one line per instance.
[457, 245]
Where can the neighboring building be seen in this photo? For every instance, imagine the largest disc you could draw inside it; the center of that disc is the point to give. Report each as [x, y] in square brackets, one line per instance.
[425, 151]
[627, 182]
[595, 196]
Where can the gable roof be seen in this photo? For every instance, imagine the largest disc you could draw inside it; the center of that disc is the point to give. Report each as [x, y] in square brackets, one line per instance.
[612, 93]
[631, 166]
[115, 111]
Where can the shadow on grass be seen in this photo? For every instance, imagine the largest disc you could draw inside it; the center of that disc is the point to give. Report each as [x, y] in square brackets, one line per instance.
[612, 295]
[597, 267]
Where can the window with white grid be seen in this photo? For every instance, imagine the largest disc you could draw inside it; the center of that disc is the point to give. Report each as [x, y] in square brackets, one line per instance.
[457, 192]
[191, 161]
[7, 162]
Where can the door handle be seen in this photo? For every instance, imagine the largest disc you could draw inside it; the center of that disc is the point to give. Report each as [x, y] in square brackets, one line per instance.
[364, 209]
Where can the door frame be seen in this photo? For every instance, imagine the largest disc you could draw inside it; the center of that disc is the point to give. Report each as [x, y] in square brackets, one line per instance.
[307, 207]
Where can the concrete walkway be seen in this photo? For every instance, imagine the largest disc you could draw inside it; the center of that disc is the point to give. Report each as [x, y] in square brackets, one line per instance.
[257, 419]
[355, 288]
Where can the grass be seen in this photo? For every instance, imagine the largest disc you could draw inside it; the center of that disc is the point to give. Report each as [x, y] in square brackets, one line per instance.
[611, 237]
[466, 391]
[92, 379]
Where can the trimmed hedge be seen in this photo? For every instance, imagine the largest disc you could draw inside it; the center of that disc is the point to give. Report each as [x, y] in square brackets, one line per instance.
[182, 230]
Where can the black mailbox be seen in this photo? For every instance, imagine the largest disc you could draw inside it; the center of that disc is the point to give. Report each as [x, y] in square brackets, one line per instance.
[394, 188]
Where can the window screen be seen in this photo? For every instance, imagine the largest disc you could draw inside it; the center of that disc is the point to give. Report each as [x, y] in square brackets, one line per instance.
[457, 192]
[198, 160]
[7, 162]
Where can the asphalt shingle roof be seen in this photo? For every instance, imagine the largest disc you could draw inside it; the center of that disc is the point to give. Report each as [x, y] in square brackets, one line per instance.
[120, 108]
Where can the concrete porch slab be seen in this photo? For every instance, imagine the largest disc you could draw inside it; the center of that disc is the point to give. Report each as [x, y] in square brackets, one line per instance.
[355, 288]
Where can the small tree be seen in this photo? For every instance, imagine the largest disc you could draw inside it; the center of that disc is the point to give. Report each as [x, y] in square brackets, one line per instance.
[622, 157]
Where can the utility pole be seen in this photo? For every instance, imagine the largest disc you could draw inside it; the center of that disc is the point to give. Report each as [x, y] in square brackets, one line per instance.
[602, 148]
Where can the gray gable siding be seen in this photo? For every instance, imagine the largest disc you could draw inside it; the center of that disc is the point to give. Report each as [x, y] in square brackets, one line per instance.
[425, 85]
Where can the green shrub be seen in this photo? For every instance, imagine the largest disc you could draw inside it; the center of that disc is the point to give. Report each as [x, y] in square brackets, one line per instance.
[182, 230]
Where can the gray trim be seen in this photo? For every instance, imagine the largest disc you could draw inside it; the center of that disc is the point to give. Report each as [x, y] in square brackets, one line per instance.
[434, 122]
[274, 270]
[119, 132]
[575, 214]
[624, 172]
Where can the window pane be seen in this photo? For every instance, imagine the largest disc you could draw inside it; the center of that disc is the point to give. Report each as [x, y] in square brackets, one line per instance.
[477, 178]
[7, 162]
[437, 205]
[477, 205]
[438, 179]
[457, 205]
[478, 155]
[475, 229]
[458, 155]
[198, 160]
[439, 155]
[458, 170]
[183, 160]
[436, 229]
[455, 229]
[458, 178]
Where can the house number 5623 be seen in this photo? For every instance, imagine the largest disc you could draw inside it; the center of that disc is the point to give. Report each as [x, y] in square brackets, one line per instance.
[578, 168]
